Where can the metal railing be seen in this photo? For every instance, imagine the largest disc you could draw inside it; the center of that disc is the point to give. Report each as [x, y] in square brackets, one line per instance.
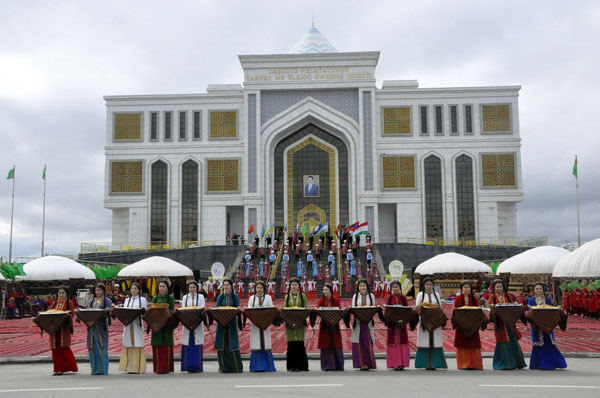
[109, 247]
[471, 242]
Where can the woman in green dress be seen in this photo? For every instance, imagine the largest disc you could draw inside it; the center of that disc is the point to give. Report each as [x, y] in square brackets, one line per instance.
[296, 359]
[227, 342]
[162, 341]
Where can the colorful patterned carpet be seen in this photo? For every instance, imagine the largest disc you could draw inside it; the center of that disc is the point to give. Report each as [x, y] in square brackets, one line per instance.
[21, 338]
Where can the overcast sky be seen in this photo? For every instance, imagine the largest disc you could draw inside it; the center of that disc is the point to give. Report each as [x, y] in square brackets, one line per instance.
[59, 58]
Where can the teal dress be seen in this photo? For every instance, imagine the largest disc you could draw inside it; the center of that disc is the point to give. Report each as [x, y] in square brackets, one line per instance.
[227, 342]
[97, 339]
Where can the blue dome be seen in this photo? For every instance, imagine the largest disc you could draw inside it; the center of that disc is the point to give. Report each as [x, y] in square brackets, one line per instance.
[313, 42]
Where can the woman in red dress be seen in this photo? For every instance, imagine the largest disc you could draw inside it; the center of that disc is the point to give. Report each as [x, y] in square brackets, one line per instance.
[60, 342]
[397, 351]
[330, 338]
[468, 348]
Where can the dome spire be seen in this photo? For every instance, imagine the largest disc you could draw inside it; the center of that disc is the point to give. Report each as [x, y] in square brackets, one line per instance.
[313, 41]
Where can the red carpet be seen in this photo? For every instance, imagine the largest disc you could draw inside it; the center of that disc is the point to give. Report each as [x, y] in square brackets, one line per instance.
[21, 337]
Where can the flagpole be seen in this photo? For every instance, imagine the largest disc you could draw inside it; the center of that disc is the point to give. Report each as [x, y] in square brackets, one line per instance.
[12, 212]
[44, 212]
[577, 190]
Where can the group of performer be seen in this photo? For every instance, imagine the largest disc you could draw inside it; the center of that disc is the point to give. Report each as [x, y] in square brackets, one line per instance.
[429, 354]
[582, 298]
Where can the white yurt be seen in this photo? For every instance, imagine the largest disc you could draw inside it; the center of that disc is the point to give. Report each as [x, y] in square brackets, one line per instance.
[152, 269]
[56, 268]
[2, 278]
[581, 263]
[449, 270]
[531, 266]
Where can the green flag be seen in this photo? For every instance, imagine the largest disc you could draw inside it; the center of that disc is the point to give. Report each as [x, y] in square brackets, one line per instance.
[575, 167]
[303, 229]
[44, 173]
[11, 173]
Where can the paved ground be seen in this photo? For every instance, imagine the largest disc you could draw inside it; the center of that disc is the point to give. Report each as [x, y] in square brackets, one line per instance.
[581, 379]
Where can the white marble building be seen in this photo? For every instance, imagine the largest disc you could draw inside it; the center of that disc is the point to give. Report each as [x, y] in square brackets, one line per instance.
[419, 164]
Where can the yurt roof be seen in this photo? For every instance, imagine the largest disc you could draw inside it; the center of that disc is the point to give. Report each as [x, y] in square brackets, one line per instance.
[155, 266]
[53, 268]
[539, 260]
[581, 263]
[2, 278]
[451, 263]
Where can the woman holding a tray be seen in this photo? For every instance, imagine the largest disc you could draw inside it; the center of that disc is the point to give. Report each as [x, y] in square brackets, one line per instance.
[261, 358]
[133, 358]
[508, 354]
[397, 351]
[97, 335]
[296, 359]
[430, 345]
[227, 342]
[60, 342]
[363, 357]
[192, 343]
[468, 348]
[544, 354]
[162, 341]
[330, 337]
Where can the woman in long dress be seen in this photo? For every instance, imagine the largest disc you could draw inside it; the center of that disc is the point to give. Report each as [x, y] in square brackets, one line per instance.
[227, 342]
[133, 358]
[60, 342]
[397, 351]
[430, 346]
[508, 354]
[330, 338]
[261, 357]
[97, 335]
[544, 355]
[296, 358]
[468, 348]
[363, 357]
[192, 343]
[162, 341]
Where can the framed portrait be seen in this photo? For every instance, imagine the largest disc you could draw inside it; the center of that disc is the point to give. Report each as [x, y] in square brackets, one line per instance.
[311, 186]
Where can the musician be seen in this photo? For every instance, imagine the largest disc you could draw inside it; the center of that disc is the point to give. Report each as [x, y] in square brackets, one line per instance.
[430, 347]
[60, 342]
[192, 344]
[296, 359]
[397, 350]
[133, 358]
[544, 354]
[508, 354]
[330, 338]
[261, 357]
[97, 335]
[162, 341]
[362, 333]
[468, 348]
[227, 342]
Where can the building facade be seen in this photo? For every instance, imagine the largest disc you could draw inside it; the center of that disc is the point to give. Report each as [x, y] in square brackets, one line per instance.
[309, 138]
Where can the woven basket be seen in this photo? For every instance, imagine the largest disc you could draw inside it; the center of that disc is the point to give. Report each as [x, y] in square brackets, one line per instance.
[546, 319]
[294, 318]
[399, 315]
[331, 316]
[432, 317]
[50, 322]
[157, 317]
[91, 317]
[508, 313]
[223, 315]
[261, 317]
[190, 318]
[364, 314]
[469, 320]
[127, 315]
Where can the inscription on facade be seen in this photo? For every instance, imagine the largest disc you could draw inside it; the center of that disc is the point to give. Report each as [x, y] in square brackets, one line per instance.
[304, 74]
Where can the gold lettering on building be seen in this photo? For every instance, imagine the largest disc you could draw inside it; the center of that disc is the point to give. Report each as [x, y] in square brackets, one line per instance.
[308, 74]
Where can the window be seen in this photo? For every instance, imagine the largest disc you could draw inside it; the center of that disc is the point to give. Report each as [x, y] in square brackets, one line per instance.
[439, 121]
[495, 118]
[127, 126]
[126, 177]
[498, 170]
[196, 125]
[158, 203]
[189, 202]
[222, 175]
[424, 130]
[223, 124]
[433, 198]
[398, 172]
[465, 209]
[182, 125]
[168, 126]
[468, 119]
[453, 119]
[153, 126]
[396, 121]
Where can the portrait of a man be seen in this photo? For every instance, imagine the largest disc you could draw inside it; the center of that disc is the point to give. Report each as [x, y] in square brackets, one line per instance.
[311, 186]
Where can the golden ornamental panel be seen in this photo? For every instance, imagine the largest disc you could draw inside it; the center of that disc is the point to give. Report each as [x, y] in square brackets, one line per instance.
[398, 172]
[223, 124]
[495, 118]
[222, 175]
[126, 177]
[396, 121]
[498, 170]
[128, 126]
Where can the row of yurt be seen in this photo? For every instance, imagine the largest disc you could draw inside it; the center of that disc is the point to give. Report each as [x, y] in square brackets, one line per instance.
[578, 269]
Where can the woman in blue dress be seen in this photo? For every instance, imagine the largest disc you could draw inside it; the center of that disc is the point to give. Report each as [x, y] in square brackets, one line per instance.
[97, 335]
[544, 355]
[227, 342]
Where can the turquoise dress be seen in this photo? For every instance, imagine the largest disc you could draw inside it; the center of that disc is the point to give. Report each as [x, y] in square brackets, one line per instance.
[227, 342]
[97, 339]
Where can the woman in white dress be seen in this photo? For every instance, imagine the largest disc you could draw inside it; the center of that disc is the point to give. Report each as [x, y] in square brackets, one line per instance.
[430, 346]
[133, 358]
[261, 359]
[192, 344]
[363, 356]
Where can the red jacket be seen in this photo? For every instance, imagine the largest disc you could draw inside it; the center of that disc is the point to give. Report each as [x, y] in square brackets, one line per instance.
[325, 337]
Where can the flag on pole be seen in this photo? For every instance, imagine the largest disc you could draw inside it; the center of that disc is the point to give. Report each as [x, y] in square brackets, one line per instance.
[324, 229]
[352, 227]
[317, 229]
[272, 229]
[262, 234]
[575, 167]
[296, 232]
[11, 173]
[251, 229]
[362, 229]
[44, 173]
[304, 230]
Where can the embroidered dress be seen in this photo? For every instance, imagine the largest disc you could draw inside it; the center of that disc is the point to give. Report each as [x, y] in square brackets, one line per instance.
[162, 341]
[362, 336]
[508, 354]
[133, 358]
[60, 342]
[468, 348]
[544, 354]
[330, 340]
[226, 339]
[397, 350]
[97, 339]
[192, 343]
[430, 346]
[261, 357]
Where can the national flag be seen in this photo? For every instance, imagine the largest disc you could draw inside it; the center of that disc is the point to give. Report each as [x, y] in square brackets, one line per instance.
[44, 173]
[324, 229]
[272, 229]
[262, 233]
[251, 229]
[352, 227]
[11, 173]
[317, 229]
[296, 232]
[304, 230]
[575, 167]
[362, 229]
